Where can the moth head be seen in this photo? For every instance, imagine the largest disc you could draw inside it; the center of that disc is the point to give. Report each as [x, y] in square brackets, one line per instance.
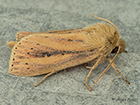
[117, 37]
[122, 45]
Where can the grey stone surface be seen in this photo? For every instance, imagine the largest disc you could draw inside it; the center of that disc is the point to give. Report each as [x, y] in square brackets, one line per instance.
[67, 87]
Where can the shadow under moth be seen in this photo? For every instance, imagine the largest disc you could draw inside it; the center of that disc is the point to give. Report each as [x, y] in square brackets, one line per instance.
[37, 53]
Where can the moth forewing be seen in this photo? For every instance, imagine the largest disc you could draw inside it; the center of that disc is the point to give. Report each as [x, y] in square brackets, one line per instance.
[41, 54]
[22, 34]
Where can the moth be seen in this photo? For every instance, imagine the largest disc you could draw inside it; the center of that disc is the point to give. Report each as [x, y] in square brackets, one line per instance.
[38, 53]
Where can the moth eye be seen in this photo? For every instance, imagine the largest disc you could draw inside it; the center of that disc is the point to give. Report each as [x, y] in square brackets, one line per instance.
[31, 48]
[28, 53]
[115, 50]
[28, 68]
[15, 47]
[26, 63]
[12, 65]
[13, 59]
[62, 53]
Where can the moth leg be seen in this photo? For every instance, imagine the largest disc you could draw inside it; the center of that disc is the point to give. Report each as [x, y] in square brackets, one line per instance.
[11, 44]
[115, 67]
[43, 79]
[107, 67]
[88, 67]
[92, 68]
[90, 63]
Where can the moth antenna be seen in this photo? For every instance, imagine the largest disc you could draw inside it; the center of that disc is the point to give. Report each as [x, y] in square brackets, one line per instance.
[108, 22]
[107, 67]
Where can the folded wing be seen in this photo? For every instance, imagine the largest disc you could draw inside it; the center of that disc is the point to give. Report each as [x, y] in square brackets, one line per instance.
[44, 53]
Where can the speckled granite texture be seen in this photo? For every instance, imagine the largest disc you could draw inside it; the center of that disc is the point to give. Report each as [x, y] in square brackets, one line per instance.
[67, 87]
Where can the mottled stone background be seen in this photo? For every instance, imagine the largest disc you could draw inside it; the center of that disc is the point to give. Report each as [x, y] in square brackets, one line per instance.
[67, 88]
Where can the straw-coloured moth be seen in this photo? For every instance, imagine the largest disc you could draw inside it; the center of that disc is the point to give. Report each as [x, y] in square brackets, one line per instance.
[49, 52]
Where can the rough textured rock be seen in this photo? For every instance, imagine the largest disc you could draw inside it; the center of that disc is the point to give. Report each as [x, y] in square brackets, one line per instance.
[67, 88]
